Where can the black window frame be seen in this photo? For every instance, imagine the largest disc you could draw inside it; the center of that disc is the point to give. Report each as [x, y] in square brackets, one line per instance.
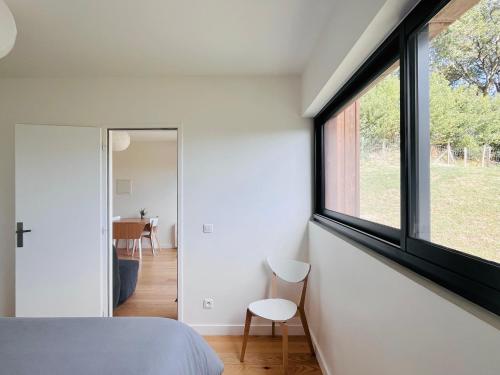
[474, 278]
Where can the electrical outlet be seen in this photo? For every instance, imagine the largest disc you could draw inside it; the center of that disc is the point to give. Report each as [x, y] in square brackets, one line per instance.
[208, 303]
[208, 228]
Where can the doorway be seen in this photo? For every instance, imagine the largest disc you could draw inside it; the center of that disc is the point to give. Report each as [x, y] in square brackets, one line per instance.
[143, 196]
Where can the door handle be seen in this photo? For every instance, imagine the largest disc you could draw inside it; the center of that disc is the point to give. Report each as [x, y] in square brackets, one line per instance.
[20, 233]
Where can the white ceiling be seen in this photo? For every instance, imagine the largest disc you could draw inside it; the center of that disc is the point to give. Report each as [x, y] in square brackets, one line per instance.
[153, 135]
[164, 37]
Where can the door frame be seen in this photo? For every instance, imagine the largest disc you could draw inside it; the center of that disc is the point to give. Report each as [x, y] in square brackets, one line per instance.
[108, 272]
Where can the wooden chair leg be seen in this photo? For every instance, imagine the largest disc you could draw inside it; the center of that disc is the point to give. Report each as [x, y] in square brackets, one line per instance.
[273, 329]
[303, 319]
[157, 240]
[133, 247]
[284, 334]
[153, 250]
[248, 321]
[153, 245]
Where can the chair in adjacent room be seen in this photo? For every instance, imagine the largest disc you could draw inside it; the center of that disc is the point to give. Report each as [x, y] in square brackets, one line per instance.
[151, 233]
[279, 310]
[129, 231]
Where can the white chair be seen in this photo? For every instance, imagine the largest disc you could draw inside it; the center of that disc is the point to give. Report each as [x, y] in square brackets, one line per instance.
[137, 244]
[279, 310]
[151, 233]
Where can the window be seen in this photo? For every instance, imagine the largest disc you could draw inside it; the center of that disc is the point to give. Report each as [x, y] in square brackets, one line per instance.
[459, 137]
[408, 151]
[362, 158]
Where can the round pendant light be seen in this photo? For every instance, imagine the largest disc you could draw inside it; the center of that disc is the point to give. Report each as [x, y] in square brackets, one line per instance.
[8, 30]
[121, 140]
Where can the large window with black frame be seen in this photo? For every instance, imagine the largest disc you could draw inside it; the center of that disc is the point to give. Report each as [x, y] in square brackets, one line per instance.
[410, 155]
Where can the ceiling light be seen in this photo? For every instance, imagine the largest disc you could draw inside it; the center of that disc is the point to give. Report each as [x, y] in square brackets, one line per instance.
[121, 140]
[8, 30]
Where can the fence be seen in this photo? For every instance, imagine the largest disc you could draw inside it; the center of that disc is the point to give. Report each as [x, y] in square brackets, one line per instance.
[483, 156]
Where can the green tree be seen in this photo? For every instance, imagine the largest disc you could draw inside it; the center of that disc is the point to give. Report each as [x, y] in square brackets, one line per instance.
[444, 112]
[379, 107]
[457, 114]
[461, 117]
[468, 50]
[479, 117]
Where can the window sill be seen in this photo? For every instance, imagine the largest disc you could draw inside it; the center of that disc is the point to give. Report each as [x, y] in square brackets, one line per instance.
[472, 290]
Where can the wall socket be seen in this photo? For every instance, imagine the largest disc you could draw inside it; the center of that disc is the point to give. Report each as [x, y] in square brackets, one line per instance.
[208, 228]
[208, 303]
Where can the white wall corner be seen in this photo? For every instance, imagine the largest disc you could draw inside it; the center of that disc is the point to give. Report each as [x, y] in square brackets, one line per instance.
[320, 357]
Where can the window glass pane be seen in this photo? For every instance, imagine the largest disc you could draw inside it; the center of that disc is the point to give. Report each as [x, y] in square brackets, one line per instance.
[362, 165]
[459, 129]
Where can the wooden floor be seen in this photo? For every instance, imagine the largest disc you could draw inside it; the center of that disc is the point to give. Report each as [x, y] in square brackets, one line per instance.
[263, 355]
[156, 290]
[155, 295]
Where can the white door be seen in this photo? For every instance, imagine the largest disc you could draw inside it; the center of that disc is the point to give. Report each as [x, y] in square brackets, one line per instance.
[58, 198]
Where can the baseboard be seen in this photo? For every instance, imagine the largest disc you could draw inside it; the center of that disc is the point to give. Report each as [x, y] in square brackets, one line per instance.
[237, 329]
[320, 357]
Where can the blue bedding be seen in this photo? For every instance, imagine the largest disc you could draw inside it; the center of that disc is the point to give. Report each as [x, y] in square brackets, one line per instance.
[98, 346]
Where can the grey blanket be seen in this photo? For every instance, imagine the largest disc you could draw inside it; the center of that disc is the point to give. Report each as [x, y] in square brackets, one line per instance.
[99, 346]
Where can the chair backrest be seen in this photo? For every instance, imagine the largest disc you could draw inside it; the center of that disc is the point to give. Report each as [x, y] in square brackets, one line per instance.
[127, 231]
[289, 270]
[153, 222]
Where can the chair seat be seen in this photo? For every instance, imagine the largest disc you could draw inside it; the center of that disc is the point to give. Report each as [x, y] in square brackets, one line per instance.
[275, 309]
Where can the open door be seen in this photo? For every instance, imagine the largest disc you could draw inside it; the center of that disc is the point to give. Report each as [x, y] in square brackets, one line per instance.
[58, 200]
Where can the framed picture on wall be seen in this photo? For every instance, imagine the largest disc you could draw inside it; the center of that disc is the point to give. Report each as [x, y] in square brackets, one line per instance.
[123, 186]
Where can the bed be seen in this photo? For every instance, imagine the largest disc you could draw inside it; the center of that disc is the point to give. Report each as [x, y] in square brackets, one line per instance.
[97, 346]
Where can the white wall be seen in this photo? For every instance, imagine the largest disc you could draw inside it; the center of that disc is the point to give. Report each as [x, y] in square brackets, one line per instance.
[369, 315]
[152, 168]
[246, 166]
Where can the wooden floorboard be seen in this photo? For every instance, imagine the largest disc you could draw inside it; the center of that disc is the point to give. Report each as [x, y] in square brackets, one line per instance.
[264, 356]
[156, 289]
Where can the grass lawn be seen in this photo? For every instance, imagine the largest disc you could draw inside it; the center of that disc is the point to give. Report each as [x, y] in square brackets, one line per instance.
[465, 204]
